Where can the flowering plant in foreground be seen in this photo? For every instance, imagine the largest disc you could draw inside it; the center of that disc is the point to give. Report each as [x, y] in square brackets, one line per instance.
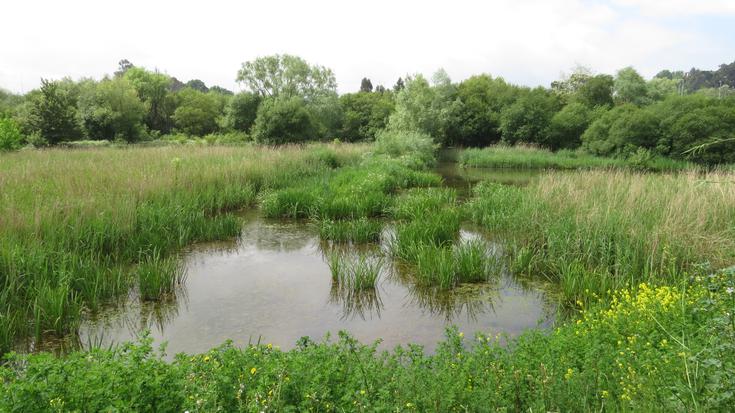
[645, 348]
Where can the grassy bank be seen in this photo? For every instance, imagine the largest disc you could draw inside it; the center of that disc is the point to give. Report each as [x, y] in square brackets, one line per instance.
[501, 156]
[595, 231]
[73, 222]
[651, 349]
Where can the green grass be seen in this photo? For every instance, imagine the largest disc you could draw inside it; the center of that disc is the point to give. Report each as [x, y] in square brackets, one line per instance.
[502, 156]
[417, 203]
[354, 271]
[74, 223]
[440, 228]
[159, 277]
[595, 231]
[361, 230]
[447, 266]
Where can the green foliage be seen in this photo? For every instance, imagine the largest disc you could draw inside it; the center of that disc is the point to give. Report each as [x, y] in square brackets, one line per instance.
[415, 147]
[420, 107]
[527, 119]
[630, 87]
[282, 121]
[111, 110]
[567, 126]
[10, 135]
[241, 111]
[473, 118]
[365, 114]
[198, 113]
[153, 89]
[287, 76]
[597, 91]
[53, 111]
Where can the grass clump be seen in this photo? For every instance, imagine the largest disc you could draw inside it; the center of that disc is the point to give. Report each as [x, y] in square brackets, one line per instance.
[360, 230]
[159, 277]
[520, 156]
[355, 272]
[438, 229]
[448, 266]
[418, 203]
[290, 203]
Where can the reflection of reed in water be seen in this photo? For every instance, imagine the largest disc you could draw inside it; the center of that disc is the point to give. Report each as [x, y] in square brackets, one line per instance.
[355, 273]
[471, 299]
[356, 303]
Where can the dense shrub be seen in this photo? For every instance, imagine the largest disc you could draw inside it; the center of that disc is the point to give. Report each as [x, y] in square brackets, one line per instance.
[10, 136]
[528, 118]
[283, 121]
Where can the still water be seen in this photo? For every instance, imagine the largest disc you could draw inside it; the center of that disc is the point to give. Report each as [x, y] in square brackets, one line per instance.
[273, 285]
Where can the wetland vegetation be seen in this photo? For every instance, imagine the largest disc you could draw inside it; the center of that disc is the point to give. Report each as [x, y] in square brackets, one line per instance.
[619, 244]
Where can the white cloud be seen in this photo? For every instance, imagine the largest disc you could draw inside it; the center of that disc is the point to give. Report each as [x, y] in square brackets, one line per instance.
[525, 41]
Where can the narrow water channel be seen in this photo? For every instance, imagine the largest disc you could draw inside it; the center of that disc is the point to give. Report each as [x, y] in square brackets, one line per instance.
[273, 285]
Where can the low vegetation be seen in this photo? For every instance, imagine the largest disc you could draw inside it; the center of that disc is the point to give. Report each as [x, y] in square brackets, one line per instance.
[648, 348]
[595, 231]
[530, 157]
[72, 222]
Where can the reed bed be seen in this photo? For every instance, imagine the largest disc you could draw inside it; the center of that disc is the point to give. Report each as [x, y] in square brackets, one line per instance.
[596, 231]
[532, 157]
[73, 221]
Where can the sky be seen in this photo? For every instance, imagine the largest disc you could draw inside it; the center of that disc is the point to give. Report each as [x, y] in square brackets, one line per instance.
[527, 42]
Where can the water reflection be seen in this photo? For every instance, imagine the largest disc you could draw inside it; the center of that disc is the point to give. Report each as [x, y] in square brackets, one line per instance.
[273, 284]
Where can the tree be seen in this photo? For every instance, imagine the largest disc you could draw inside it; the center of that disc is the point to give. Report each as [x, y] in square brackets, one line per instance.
[197, 84]
[287, 76]
[399, 85]
[570, 84]
[153, 89]
[111, 109]
[528, 118]
[660, 88]
[622, 130]
[474, 116]
[122, 67]
[241, 111]
[567, 126]
[53, 112]
[630, 87]
[283, 120]
[366, 85]
[414, 110]
[197, 113]
[597, 91]
[364, 114]
[8, 102]
[221, 90]
[10, 135]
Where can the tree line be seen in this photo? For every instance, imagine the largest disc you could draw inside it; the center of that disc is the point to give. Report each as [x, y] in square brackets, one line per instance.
[287, 99]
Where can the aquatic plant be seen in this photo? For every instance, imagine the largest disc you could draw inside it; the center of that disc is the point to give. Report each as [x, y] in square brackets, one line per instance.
[360, 230]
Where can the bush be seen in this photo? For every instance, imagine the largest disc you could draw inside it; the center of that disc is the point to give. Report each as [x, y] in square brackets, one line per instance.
[10, 136]
[282, 121]
[405, 144]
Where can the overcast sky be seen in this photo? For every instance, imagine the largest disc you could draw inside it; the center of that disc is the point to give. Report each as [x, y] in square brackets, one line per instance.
[527, 42]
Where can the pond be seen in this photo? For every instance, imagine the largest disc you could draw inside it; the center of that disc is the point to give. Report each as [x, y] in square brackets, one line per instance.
[273, 285]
